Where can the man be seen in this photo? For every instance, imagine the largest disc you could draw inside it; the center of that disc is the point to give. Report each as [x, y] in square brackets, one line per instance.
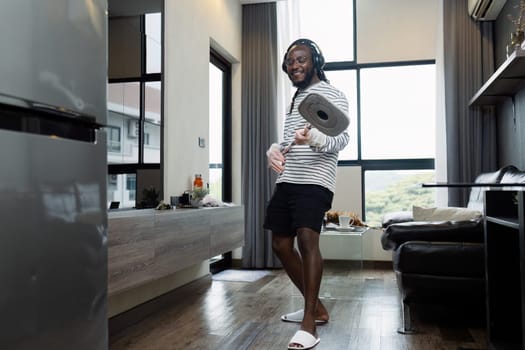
[306, 162]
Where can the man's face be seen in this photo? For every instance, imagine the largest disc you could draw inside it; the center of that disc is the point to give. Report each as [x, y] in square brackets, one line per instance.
[300, 67]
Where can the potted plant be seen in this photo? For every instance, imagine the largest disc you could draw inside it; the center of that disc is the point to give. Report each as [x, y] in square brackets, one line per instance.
[150, 198]
[518, 35]
[197, 195]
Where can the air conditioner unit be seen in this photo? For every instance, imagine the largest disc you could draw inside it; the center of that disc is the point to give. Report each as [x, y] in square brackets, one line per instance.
[485, 10]
[133, 128]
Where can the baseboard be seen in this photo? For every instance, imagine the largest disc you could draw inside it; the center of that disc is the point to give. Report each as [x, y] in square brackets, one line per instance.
[378, 264]
[371, 264]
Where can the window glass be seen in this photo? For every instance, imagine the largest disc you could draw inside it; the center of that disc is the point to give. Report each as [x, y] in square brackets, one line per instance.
[398, 112]
[113, 134]
[121, 188]
[216, 131]
[391, 100]
[124, 98]
[152, 136]
[329, 23]
[131, 187]
[389, 191]
[153, 42]
[346, 81]
[123, 114]
[134, 106]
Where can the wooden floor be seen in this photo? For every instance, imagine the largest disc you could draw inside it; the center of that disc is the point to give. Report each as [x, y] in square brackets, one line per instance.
[363, 302]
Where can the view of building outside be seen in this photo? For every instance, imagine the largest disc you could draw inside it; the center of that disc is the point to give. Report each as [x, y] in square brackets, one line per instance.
[123, 116]
[127, 118]
[151, 136]
[122, 189]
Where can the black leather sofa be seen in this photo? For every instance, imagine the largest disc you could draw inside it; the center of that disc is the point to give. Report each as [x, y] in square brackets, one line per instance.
[441, 262]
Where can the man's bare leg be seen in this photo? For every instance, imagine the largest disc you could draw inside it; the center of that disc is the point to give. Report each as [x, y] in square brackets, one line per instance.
[283, 246]
[308, 242]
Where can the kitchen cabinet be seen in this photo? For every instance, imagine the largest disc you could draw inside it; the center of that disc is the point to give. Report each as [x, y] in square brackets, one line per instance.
[147, 245]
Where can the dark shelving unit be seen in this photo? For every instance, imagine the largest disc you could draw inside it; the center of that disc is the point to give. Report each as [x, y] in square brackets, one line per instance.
[505, 268]
[508, 79]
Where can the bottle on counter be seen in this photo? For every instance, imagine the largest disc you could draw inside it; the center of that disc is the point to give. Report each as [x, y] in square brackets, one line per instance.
[197, 182]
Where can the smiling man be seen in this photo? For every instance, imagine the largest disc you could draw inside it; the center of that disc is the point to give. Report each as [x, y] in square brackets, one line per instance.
[306, 162]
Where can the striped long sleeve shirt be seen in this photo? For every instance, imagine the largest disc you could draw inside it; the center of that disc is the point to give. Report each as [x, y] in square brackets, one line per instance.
[307, 164]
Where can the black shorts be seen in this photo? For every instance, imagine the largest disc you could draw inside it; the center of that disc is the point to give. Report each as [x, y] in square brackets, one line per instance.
[293, 206]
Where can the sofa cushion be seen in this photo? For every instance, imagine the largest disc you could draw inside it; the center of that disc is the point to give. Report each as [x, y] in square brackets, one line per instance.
[396, 217]
[513, 175]
[441, 259]
[477, 193]
[444, 214]
[433, 231]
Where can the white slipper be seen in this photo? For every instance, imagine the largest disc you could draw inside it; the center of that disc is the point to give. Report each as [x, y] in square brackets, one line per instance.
[297, 317]
[304, 339]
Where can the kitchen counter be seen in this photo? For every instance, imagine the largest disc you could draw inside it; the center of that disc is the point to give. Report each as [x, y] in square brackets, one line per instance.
[147, 244]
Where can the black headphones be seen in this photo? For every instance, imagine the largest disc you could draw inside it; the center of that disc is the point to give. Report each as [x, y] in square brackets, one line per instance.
[317, 55]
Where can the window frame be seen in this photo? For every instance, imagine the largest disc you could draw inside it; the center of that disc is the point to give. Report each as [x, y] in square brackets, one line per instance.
[218, 61]
[224, 261]
[131, 168]
[377, 164]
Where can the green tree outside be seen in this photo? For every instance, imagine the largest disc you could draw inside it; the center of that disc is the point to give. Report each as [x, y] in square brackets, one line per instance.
[399, 196]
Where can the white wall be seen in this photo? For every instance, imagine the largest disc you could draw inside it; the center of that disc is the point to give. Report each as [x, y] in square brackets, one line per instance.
[191, 27]
[396, 30]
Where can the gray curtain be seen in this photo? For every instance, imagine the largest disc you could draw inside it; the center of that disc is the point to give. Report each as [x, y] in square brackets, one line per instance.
[259, 127]
[471, 131]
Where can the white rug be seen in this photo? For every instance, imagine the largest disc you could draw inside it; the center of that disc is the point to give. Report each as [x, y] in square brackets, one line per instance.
[240, 275]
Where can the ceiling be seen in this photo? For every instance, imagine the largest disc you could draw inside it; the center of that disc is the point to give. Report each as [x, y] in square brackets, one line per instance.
[255, 1]
[133, 7]
[138, 7]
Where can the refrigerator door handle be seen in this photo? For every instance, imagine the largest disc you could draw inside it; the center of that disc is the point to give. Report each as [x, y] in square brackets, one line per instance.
[21, 115]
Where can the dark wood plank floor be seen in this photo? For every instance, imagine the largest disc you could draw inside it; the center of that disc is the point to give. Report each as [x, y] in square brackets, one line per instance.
[363, 302]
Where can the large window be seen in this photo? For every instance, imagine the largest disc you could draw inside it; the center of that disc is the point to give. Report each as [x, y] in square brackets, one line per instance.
[220, 128]
[124, 114]
[405, 114]
[346, 81]
[392, 107]
[389, 191]
[134, 103]
[220, 141]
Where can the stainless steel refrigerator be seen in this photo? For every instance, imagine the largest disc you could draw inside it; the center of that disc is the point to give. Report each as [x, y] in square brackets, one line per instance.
[53, 220]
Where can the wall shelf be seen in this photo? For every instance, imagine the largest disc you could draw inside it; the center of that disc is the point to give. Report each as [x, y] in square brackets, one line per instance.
[506, 81]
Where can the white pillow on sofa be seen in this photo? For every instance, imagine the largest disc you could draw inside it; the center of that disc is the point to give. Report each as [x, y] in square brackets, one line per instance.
[444, 214]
